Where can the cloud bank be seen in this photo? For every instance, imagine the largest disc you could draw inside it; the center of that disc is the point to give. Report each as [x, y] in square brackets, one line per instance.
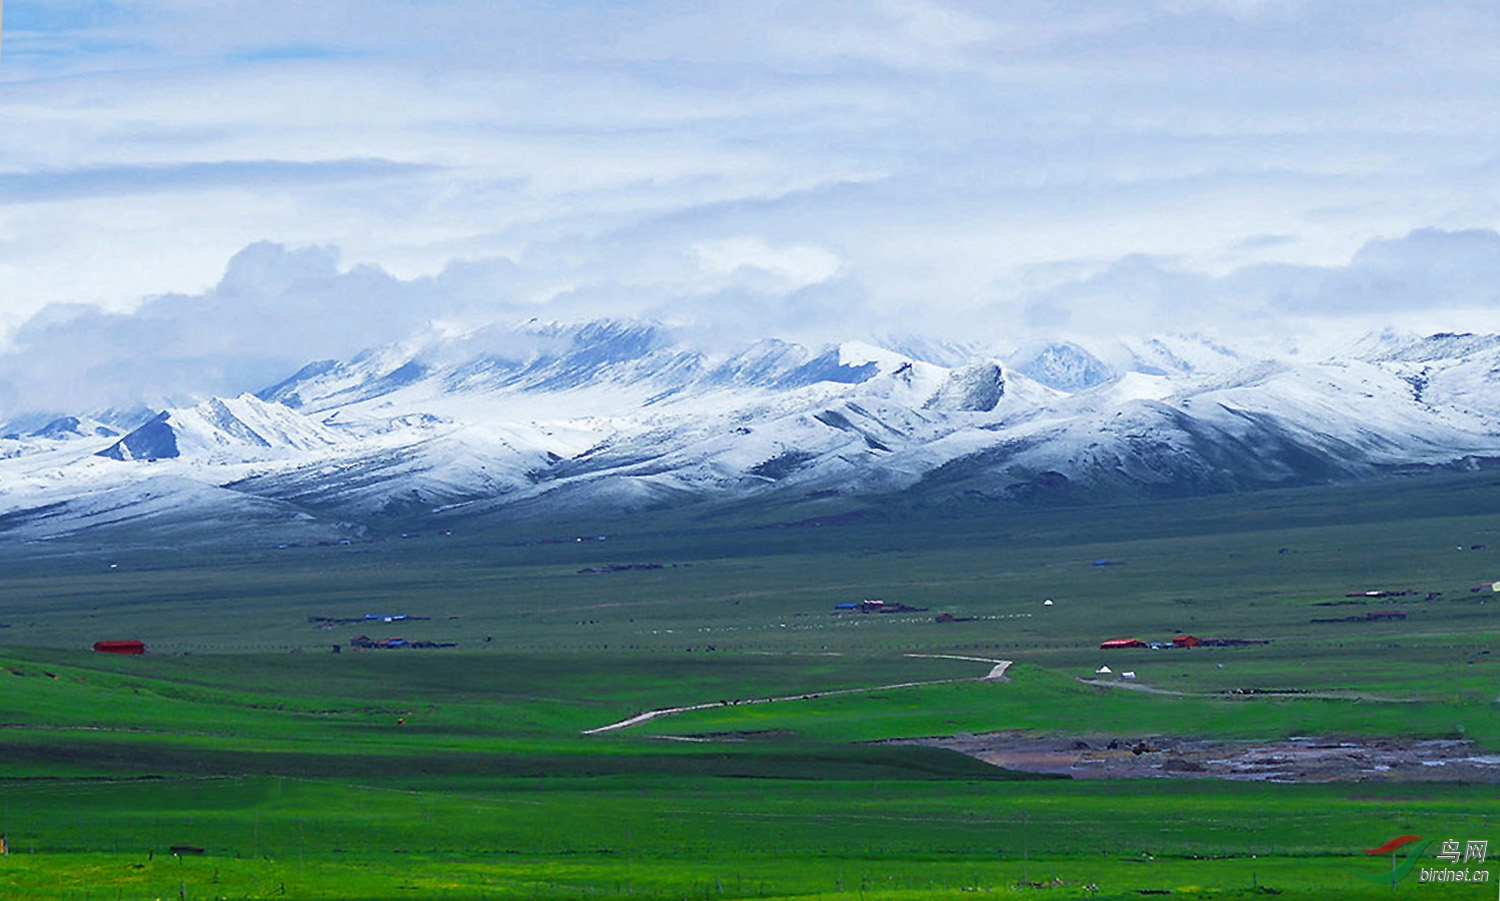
[814, 168]
[276, 309]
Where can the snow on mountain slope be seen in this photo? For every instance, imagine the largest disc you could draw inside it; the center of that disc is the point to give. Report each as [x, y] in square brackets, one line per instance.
[165, 508]
[222, 430]
[1452, 375]
[608, 415]
[1065, 366]
[1178, 355]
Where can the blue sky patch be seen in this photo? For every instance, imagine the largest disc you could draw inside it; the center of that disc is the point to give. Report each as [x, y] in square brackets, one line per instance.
[28, 15]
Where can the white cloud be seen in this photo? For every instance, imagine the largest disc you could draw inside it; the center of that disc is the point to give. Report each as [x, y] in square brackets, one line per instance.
[790, 268]
[276, 309]
[272, 311]
[1428, 280]
[807, 166]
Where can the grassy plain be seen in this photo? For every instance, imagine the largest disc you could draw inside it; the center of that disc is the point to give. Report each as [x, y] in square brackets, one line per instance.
[463, 772]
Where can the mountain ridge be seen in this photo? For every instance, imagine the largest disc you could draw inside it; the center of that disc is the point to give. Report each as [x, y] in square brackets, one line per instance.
[612, 416]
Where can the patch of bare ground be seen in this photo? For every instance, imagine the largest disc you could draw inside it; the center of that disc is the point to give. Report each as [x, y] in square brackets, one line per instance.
[1299, 692]
[1321, 759]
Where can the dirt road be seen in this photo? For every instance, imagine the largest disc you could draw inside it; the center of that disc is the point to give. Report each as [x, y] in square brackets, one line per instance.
[996, 674]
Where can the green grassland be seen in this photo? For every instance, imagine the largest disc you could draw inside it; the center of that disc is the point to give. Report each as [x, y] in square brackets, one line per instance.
[463, 772]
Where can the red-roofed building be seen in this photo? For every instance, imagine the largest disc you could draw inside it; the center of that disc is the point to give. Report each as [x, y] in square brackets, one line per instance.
[120, 647]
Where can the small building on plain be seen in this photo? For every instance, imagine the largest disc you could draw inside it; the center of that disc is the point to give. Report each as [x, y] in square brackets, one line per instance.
[120, 647]
[1185, 641]
[1117, 643]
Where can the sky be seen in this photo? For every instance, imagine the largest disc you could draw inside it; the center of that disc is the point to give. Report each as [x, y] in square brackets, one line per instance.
[196, 195]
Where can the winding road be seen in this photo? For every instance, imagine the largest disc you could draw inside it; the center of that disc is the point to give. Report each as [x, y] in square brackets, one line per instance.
[996, 674]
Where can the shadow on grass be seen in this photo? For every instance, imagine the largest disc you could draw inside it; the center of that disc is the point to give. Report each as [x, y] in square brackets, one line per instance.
[814, 761]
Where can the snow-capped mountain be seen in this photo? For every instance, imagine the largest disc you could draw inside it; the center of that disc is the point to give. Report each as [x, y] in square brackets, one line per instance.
[222, 430]
[1066, 367]
[551, 419]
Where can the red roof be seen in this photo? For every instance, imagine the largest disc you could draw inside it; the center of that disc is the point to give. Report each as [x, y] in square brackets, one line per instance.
[1114, 643]
[120, 647]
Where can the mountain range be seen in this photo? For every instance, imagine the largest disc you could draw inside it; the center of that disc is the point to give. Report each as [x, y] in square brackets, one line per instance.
[564, 421]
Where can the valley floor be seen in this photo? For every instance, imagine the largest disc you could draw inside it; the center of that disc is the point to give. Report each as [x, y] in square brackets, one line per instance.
[465, 769]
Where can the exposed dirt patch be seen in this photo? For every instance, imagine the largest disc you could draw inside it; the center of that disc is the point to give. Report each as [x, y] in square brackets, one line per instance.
[1321, 759]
